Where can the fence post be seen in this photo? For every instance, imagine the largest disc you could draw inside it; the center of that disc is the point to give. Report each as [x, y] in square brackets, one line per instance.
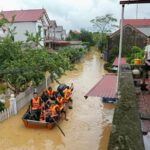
[13, 107]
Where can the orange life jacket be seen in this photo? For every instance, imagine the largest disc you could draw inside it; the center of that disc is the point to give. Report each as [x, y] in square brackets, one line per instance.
[35, 103]
[67, 94]
[60, 101]
[50, 93]
[42, 118]
[53, 109]
[61, 107]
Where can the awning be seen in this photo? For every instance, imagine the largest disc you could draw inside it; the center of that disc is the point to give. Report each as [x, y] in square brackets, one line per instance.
[106, 88]
[61, 42]
[122, 62]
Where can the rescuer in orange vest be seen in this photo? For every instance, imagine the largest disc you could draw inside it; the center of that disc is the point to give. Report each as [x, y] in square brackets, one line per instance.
[50, 92]
[35, 107]
[67, 94]
[61, 103]
[52, 112]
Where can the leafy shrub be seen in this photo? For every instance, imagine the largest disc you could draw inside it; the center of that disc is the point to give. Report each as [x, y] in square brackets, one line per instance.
[137, 53]
[73, 54]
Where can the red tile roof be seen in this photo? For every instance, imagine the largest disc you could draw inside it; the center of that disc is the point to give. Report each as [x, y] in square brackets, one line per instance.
[75, 31]
[24, 15]
[128, 25]
[137, 22]
[106, 87]
[122, 62]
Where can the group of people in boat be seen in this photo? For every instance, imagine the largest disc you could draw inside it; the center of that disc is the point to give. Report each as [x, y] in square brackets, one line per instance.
[51, 104]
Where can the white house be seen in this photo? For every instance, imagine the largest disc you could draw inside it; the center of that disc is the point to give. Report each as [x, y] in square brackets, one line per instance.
[52, 29]
[34, 21]
[60, 33]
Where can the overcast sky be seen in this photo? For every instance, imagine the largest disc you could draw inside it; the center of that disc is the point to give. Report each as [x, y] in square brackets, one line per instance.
[76, 14]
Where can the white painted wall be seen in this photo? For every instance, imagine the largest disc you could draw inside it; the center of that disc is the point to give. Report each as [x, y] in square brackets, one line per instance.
[59, 35]
[32, 27]
[39, 23]
[52, 33]
[2, 33]
[21, 28]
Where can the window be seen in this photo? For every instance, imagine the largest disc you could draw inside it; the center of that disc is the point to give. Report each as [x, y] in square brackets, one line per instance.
[39, 30]
[44, 32]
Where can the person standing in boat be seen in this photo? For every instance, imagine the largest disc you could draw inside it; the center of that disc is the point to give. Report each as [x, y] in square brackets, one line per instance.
[147, 60]
[68, 93]
[35, 107]
[61, 103]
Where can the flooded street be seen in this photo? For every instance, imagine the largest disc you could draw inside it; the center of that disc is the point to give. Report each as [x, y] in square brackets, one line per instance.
[89, 122]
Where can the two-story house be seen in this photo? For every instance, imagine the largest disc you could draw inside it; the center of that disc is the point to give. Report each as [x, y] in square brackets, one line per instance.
[34, 21]
[60, 33]
[52, 29]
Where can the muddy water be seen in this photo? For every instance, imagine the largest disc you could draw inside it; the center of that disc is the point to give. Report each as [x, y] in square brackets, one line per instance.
[89, 122]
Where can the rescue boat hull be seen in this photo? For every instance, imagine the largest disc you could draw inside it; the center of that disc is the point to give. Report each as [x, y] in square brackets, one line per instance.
[37, 124]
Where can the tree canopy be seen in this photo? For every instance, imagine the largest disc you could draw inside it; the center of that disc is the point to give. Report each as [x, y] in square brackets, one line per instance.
[21, 65]
[104, 24]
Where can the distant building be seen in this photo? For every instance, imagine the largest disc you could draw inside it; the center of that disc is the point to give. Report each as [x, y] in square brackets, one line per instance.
[131, 37]
[141, 24]
[60, 33]
[34, 21]
[77, 32]
[52, 29]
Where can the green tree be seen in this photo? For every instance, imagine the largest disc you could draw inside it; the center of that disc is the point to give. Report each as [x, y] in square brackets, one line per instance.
[86, 36]
[74, 36]
[104, 25]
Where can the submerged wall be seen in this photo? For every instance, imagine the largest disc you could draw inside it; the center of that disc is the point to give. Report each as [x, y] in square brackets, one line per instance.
[126, 131]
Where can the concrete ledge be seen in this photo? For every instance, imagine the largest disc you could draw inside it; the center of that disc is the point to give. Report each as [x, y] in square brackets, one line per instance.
[126, 132]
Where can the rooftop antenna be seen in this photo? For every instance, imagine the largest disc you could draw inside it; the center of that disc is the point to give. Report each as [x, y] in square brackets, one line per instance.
[43, 2]
[137, 11]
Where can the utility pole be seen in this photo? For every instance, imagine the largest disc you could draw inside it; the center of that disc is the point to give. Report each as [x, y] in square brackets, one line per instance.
[120, 46]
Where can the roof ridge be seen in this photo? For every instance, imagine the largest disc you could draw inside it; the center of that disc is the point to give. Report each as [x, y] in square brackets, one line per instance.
[21, 10]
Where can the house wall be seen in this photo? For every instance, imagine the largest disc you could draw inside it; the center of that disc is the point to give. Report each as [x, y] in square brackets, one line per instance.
[32, 27]
[52, 34]
[21, 28]
[2, 33]
[39, 23]
[131, 37]
[59, 35]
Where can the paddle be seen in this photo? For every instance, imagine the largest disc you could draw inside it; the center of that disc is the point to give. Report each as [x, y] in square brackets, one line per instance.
[58, 126]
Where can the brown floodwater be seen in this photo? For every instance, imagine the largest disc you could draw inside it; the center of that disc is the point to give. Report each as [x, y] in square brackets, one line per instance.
[89, 122]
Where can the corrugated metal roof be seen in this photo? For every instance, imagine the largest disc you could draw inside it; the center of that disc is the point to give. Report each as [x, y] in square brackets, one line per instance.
[122, 62]
[106, 87]
[137, 22]
[24, 15]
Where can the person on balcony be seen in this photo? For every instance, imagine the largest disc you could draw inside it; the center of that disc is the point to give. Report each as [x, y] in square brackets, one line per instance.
[147, 60]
